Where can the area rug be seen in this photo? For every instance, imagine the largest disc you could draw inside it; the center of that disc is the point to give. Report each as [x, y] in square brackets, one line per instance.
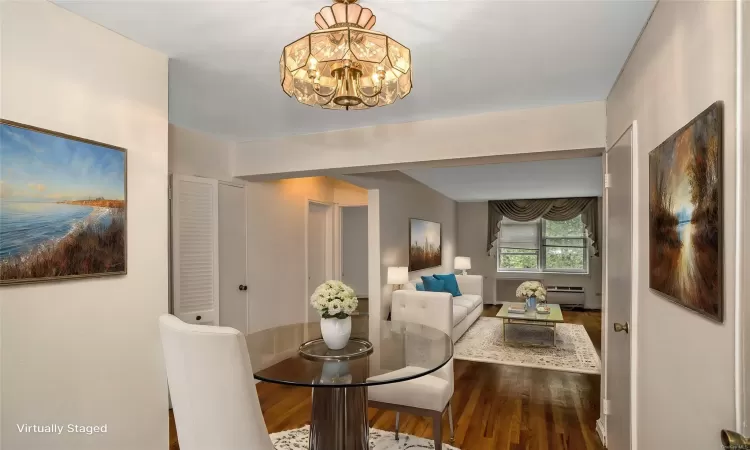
[529, 346]
[297, 439]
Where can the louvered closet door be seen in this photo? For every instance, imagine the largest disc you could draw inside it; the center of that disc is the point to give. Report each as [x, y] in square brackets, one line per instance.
[195, 258]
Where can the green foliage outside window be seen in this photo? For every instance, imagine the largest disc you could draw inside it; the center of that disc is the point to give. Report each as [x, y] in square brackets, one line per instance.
[563, 248]
[518, 258]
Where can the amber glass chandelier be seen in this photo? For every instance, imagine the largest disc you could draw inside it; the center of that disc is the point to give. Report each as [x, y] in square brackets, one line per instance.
[346, 65]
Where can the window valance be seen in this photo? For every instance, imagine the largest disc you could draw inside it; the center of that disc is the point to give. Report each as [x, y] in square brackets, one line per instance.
[557, 209]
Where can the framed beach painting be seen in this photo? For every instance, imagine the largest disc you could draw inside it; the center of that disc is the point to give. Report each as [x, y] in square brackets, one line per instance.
[425, 244]
[62, 206]
[685, 215]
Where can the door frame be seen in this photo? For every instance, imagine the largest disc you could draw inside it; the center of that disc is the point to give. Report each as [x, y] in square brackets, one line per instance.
[247, 297]
[330, 243]
[601, 424]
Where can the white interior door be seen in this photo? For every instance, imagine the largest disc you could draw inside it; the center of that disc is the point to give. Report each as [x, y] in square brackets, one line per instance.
[232, 258]
[354, 248]
[319, 250]
[195, 249]
[619, 291]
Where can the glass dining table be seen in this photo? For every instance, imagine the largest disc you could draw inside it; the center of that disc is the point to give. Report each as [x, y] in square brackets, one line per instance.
[295, 355]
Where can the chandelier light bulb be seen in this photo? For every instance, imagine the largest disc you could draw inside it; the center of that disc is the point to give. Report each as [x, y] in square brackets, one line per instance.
[345, 64]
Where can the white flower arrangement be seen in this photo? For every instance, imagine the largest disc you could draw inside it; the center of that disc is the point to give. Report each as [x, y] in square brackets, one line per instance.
[334, 299]
[531, 289]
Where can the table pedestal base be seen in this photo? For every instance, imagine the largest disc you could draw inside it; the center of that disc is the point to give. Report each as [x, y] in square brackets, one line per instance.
[339, 419]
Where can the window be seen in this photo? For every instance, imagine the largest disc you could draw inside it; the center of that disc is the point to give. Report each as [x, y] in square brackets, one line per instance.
[518, 245]
[543, 246]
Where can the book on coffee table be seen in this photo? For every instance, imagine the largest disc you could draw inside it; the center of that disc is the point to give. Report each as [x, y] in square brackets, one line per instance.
[542, 309]
[517, 310]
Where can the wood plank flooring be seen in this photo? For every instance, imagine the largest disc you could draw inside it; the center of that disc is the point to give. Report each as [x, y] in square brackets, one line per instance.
[494, 407]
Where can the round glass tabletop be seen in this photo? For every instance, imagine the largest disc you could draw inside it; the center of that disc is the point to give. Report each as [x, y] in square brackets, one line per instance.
[417, 349]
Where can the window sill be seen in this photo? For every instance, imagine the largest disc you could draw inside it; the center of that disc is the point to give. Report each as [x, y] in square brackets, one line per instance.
[516, 273]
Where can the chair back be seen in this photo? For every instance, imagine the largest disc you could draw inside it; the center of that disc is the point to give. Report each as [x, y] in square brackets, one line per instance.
[434, 310]
[211, 384]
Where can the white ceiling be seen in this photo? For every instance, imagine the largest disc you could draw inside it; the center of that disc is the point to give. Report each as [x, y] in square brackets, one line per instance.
[469, 56]
[577, 177]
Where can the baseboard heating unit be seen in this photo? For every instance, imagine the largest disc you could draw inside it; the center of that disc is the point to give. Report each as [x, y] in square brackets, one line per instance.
[566, 296]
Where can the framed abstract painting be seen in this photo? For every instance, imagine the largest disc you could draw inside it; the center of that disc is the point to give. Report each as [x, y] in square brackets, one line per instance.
[686, 215]
[425, 244]
[62, 206]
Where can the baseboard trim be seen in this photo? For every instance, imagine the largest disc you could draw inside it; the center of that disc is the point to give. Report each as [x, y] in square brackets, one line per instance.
[601, 431]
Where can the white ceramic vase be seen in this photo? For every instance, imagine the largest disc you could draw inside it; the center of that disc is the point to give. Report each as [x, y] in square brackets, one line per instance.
[336, 332]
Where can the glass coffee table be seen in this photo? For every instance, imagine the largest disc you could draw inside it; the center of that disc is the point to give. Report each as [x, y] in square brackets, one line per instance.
[531, 318]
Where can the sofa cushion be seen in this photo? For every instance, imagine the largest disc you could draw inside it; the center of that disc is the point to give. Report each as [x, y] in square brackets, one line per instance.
[451, 284]
[470, 301]
[420, 286]
[459, 314]
[465, 302]
[427, 392]
[432, 284]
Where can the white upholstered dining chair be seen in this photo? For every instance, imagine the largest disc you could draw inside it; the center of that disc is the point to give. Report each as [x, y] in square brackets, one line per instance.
[211, 383]
[429, 395]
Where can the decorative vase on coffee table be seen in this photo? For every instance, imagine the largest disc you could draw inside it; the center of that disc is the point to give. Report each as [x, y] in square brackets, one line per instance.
[336, 332]
[531, 303]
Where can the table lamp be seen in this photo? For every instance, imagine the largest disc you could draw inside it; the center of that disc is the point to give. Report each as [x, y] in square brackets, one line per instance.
[398, 276]
[462, 263]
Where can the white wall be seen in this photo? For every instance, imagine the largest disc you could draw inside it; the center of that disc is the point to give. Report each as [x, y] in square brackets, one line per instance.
[500, 287]
[401, 198]
[683, 62]
[565, 127]
[194, 153]
[276, 231]
[88, 351]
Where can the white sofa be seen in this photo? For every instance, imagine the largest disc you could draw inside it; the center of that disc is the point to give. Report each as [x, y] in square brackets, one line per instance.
[446, 311]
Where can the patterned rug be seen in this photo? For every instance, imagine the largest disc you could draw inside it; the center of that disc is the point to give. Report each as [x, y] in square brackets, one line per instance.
[529, 346]
[379, 440]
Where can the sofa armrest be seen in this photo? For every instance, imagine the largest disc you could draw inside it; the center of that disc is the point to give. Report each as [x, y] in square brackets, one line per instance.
[434, 309]
[471, 284]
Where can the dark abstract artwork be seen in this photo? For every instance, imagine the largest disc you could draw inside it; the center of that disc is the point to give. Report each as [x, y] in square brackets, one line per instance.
[685, 215]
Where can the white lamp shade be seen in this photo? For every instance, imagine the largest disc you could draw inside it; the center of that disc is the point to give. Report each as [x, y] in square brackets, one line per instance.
[398, 275]
[462, 263]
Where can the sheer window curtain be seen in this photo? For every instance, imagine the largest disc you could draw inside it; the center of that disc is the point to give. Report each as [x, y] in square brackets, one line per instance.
[557, 209]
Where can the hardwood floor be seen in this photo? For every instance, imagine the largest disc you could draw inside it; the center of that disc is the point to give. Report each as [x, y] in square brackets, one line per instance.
[495, 407]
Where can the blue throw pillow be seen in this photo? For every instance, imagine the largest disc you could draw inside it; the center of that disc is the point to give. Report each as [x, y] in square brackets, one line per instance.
[420, 286]
[432, 284]
[451, 284]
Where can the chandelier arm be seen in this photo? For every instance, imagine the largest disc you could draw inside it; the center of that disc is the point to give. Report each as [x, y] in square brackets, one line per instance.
[364, 102]
[328, 100]
[323, 95]
[359, 91]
